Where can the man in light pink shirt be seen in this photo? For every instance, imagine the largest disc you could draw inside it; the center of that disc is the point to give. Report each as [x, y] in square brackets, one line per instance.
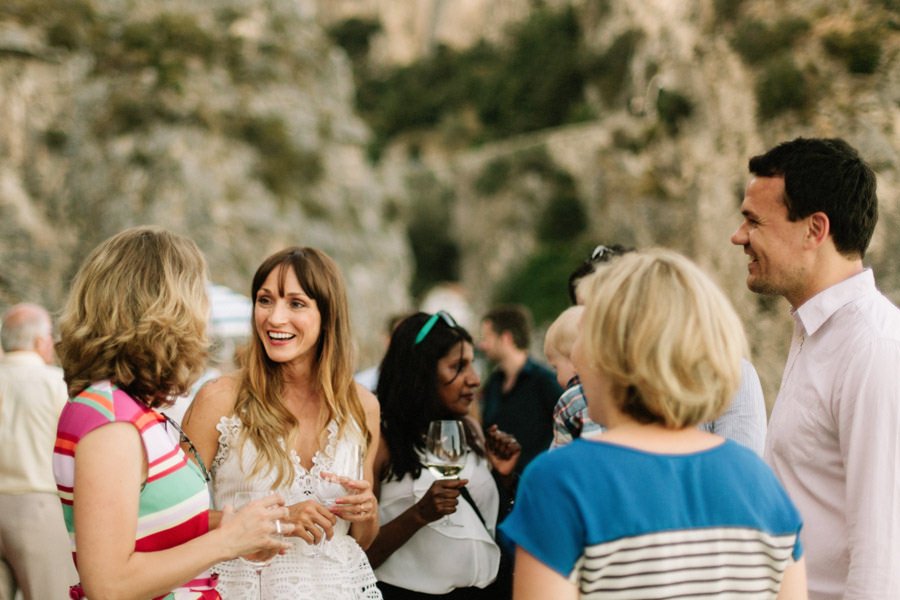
[834, 436]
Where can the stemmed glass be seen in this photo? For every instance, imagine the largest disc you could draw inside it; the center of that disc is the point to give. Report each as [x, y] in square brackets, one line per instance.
[445, 453]
[348, 463]
[259, 560]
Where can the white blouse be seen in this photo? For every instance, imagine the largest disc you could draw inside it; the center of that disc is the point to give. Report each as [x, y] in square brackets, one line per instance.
[439, 558]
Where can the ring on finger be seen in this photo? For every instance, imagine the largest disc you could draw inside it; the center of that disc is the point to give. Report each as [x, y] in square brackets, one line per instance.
[277, 527]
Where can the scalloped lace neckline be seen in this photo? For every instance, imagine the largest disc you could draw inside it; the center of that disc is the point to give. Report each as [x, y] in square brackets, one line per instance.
[323, 457]
[321, 460]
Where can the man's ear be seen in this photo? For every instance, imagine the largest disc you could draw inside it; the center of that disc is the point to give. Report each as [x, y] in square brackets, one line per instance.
[818, 229]
[44, 347]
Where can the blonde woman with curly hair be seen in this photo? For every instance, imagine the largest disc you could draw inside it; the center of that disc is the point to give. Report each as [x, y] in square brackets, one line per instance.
[283, 420]
[655, 507]
[137, 508]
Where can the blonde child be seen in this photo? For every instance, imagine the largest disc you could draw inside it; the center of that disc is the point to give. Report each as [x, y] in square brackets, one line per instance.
[570, 417]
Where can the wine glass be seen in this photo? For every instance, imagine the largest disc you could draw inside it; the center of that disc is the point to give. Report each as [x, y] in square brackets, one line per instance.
[259, 560]
[445, 453]
[347, 463]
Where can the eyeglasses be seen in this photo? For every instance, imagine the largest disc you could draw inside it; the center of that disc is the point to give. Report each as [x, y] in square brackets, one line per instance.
[429, 325]
[184, 439]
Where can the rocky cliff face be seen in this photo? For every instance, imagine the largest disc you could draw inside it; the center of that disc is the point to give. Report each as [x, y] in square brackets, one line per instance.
[642, 181]
[231, 124]
[235, 123]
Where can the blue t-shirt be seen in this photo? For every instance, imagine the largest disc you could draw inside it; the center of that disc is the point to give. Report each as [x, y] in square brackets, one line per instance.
[624, 523]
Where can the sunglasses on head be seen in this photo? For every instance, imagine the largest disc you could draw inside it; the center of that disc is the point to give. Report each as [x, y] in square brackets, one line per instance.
[429, 325]
[602, 252]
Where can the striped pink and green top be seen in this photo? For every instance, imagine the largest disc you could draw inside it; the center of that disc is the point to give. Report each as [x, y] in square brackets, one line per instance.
[174, 501]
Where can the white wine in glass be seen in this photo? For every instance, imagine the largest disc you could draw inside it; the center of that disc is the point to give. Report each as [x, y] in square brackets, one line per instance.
[444, 470]
[445, 452]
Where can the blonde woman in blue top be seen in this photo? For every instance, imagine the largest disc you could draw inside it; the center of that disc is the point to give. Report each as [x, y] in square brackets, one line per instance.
[653, 507]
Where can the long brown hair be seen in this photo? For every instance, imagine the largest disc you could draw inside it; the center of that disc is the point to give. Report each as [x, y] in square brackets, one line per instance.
[259, 403]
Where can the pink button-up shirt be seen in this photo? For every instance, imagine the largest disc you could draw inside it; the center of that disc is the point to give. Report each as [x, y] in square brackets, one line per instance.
[834, 439]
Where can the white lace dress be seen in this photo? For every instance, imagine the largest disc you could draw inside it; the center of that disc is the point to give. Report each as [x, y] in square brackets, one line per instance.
[341, 570]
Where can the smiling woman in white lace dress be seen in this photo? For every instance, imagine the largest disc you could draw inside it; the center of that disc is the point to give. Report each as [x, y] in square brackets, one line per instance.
[281, 420]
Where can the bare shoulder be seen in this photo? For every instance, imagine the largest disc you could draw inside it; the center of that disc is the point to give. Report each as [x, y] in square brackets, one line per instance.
[221, 390]
[214, 399]
[369, 401]
[382, 458]
[372, 410]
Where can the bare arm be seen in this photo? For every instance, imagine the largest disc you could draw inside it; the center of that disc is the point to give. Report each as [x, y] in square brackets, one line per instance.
[534, 580]
[213, 401]
[793, 583]
[110, 467]
[362, 508]
[440, 499]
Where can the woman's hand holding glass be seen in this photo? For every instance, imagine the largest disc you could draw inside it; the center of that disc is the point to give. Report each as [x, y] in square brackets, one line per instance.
[446, 448]
[312, 521]
[358, 503]
[255, 530]
[332, 486]
[440, 500]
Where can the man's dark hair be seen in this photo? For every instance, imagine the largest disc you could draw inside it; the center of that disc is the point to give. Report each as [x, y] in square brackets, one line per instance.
[514, 318]
[599, 255]
[826, 175]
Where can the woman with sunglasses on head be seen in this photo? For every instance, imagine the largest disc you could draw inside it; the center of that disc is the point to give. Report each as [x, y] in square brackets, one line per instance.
[428, 374]
[283, 420]
[137, 508]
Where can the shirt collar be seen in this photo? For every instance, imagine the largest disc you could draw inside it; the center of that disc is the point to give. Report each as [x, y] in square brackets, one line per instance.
[529, 365]
[22, 358]
[818, 309]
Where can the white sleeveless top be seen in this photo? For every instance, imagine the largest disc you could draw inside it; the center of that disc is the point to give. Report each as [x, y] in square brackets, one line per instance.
[422, 563]
[341, 571]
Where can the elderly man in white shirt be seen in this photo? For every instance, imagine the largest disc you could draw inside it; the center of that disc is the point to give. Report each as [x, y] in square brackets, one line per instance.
[33, 539]
[834, 435]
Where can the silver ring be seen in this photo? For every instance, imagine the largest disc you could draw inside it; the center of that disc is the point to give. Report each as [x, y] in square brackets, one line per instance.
[277, 527]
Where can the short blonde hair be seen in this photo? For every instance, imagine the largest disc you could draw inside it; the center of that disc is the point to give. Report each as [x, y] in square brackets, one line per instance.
[665, 335]
[136, 314]
[562, 332]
